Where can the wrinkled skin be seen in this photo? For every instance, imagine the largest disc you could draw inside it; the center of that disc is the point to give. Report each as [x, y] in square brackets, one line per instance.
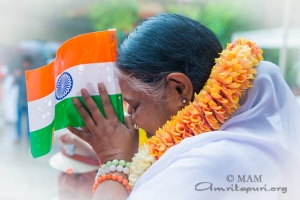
[112, 140]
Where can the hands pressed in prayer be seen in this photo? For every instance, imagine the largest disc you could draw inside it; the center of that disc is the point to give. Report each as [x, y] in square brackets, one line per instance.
[109, 138]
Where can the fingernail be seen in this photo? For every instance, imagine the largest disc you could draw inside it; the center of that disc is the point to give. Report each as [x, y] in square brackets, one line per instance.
[75, 100]
[100, 86]
[84, 91]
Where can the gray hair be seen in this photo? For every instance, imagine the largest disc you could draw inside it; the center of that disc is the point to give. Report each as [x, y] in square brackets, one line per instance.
[155, 90]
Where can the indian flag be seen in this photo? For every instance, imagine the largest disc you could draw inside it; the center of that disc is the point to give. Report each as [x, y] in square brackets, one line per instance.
[81, 62]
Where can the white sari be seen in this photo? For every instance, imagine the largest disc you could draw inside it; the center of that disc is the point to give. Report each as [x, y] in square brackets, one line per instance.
[254, 155]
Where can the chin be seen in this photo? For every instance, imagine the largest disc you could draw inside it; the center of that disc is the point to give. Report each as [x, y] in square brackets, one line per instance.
[149, 135]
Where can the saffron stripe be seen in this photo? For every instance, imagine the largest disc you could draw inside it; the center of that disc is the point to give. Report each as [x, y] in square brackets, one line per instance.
[96, 47]
[40, 82]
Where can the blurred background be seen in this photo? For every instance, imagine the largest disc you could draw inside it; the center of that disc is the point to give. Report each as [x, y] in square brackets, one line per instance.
[36, 28]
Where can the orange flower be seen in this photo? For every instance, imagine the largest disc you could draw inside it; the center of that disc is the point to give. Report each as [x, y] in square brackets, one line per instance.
[153, 143]
[166, 137]
[229, 78]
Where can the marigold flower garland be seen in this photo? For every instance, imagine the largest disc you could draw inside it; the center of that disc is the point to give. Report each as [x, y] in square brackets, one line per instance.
[229, 78]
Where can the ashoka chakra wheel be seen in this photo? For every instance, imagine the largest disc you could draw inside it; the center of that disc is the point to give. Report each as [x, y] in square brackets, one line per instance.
[64, 86]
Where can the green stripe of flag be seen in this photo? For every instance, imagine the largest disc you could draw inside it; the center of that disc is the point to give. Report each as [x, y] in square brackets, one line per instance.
[67, 115]
[41, 141]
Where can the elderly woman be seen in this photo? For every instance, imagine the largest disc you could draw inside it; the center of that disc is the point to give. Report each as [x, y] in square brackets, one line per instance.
[166, 68]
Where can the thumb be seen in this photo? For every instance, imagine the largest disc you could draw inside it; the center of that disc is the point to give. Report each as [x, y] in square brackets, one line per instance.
[134, 132]
[128, 121]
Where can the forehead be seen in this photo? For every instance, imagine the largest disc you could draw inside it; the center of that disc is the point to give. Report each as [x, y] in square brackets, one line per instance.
[127, 92]
[123, 84]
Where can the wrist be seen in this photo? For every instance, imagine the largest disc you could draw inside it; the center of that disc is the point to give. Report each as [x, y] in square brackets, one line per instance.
[125, 176]
[113, 166]
[116, 170]
[115, 176]
[125, 157]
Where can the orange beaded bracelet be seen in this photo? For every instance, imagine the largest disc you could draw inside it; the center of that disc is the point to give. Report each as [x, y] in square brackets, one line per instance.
[113, 177]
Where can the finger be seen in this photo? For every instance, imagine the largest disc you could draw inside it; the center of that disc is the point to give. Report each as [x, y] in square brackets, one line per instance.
[67, 137]
[108, 108]
[129, 123]
[81, 134]
[64, 137]
[84, 114]
[71, 138]
[92, 106]
[77, 141]
[85, 129]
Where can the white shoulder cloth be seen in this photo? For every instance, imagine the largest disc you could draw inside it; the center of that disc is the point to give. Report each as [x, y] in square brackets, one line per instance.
[254, 155]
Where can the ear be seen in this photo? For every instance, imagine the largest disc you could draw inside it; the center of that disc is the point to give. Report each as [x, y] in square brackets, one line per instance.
[179, 87]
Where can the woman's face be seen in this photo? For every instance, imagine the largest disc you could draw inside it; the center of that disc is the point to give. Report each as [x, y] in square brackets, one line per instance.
[146, 113]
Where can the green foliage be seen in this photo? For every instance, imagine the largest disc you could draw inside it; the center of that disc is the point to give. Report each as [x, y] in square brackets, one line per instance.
[292, 67]
[222, 19]
[118, 14]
